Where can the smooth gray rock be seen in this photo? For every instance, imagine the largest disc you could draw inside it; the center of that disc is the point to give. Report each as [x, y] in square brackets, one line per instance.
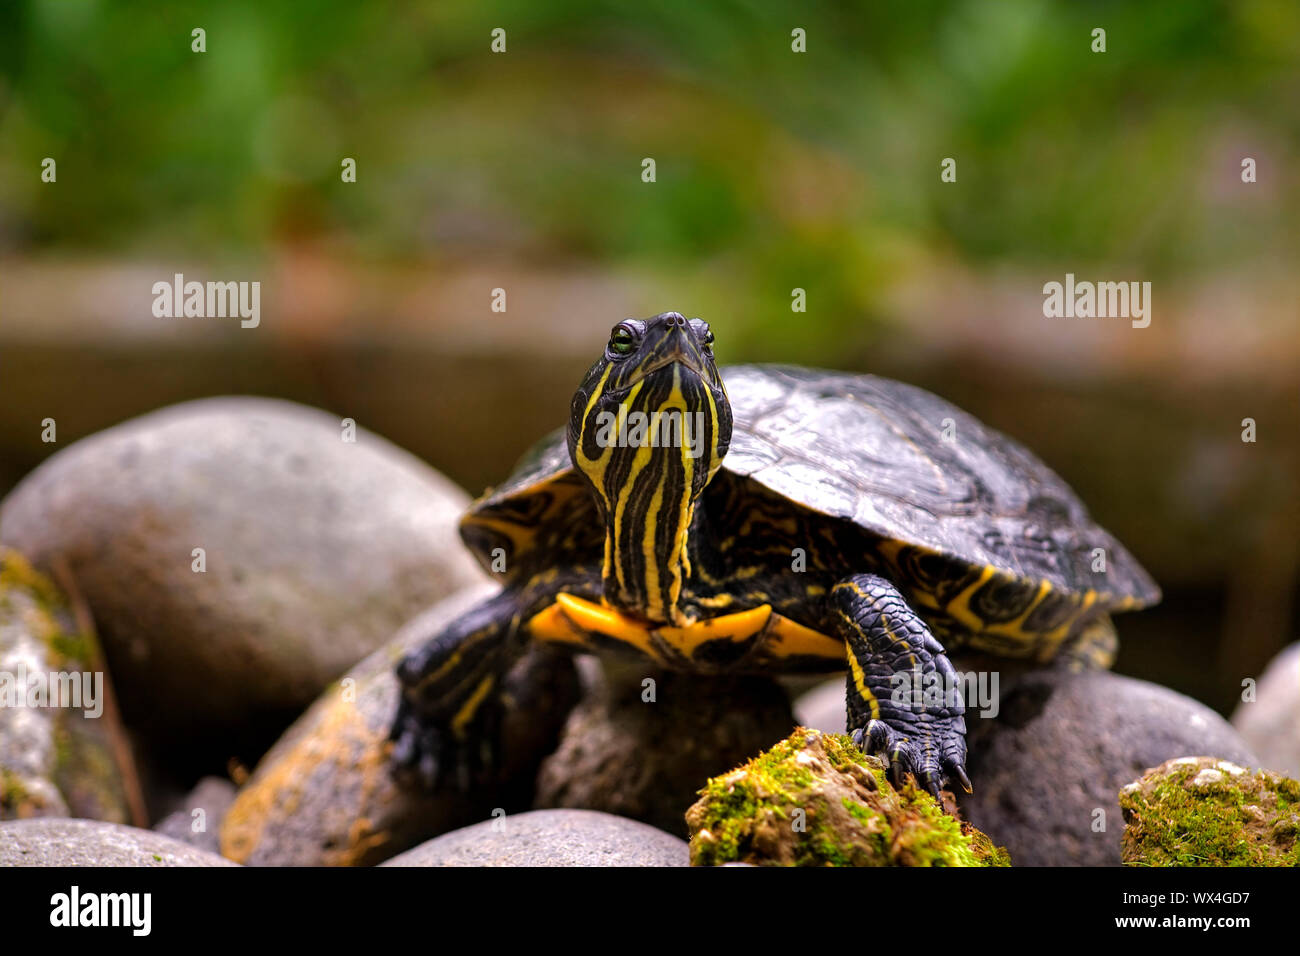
[551, 838]
[1270, 723]
[58, 842]
[317, 550]
[647, 760]
[326, 794]
[822, 708]
[212, 795]
[1062, 746]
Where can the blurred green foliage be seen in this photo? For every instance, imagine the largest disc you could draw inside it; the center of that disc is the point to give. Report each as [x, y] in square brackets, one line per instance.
[775, 169]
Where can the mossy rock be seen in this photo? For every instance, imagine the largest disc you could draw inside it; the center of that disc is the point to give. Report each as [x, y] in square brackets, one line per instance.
[54, 761]
[816, 800]
[1203, 811]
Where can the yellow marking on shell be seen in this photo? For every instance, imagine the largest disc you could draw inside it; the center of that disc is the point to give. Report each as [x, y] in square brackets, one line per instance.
[1042, 644]
[1016, 626]
[467, 710]
[517, 534]
[860, 682]
[890, 549]
[924, 599]
[959, 607]
[1050, 641]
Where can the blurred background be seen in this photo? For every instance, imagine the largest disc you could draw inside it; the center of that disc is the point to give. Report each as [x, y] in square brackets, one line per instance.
[775, 170]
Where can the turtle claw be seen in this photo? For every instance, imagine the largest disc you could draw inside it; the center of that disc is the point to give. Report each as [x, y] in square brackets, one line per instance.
[957, 772]
[434, 756]
[933, 752]
[417, 747]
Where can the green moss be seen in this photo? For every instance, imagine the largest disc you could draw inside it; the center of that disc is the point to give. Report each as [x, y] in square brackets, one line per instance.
[63, 750]
[738, 805]
[825, 849]
[68, 650]
[71, 651]
[1240, 819]
[12, 791]
[859, 811]
[17, 572]
[817, 800]
[984, 848]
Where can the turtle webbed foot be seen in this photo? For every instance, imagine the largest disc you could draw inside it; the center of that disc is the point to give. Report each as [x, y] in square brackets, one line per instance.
[436, 756]
[932, 749]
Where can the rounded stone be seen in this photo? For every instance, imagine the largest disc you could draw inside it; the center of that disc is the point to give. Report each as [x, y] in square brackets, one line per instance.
[61, 842]
[1271, 722]
[314, 550]
[823, 708]
[213, 796]
[1047, 768]
[642, 742]
[325, 794]
[1203, 811]
[551, 838]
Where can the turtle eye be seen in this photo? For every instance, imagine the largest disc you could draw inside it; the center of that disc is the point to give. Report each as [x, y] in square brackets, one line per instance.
[704, 333]
[708, 341]
[622, 341]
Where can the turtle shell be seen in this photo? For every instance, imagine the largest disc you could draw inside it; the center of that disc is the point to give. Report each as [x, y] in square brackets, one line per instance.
[895, 460]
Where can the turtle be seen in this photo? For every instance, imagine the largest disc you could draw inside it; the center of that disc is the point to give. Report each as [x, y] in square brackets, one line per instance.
[769, 519]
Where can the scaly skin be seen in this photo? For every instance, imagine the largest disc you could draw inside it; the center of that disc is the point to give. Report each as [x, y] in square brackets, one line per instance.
[674, 558]
[887, 641]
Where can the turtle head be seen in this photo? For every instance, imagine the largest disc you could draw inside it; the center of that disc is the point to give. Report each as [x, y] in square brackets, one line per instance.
[648, 429]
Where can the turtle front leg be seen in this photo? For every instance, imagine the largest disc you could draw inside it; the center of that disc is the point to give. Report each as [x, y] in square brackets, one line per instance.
[448, 721]
[916, 729]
